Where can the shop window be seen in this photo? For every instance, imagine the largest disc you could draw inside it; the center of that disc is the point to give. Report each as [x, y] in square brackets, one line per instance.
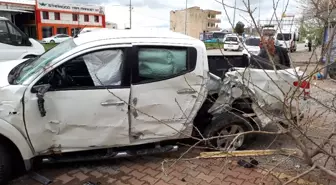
[62, 31]
[32, 17]
[96, 18]
[75, 31]
[86, 18]
[47, 32]
[45, 15]
[57, 16]
[75, 17]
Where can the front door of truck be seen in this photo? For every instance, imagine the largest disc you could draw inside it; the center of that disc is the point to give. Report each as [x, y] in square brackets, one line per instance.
[86, 106]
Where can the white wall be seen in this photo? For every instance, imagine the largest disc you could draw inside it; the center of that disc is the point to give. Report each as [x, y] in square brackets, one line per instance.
[66, 18]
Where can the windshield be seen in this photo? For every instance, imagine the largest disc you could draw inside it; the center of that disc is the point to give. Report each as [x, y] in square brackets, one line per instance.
[252, 42]
[234, 39]
[41, 62]
[284, 36]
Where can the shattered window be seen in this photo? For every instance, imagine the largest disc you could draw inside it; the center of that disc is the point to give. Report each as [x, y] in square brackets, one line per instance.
[158, 63]
[105, 67]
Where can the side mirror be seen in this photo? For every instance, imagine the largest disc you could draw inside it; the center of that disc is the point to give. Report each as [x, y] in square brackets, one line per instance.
[40, 91]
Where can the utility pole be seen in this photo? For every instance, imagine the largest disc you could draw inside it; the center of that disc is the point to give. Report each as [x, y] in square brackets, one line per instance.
[185, 18]
[234, 13]
[259, 14]
[130, 9]
[330, 42]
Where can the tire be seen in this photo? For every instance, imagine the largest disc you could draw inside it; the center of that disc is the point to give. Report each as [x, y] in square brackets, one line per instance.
[225, 49]
[52, 42]
[5, 164]
[223, 125]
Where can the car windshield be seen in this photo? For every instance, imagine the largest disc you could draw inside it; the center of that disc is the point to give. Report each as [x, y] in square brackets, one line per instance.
[252, 42]
[41, 62]
[284, 36]
[234, 39]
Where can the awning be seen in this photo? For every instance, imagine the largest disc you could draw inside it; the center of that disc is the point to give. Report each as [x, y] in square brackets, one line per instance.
[14, 10]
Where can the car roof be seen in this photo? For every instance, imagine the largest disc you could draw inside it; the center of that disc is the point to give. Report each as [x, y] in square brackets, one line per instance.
[110, 34]
[3, 19]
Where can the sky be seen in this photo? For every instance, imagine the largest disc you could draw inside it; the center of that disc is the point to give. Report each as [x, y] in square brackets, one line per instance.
[156, 13]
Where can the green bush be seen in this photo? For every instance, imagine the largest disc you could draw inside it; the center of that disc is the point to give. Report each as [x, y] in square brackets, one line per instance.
[49, 46]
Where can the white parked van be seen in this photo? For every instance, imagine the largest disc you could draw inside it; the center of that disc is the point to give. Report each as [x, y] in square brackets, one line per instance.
[14, 44]
[288, 40]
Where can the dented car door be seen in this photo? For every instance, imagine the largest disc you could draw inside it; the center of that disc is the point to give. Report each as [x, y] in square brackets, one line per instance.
[166, 92]
[86, 105]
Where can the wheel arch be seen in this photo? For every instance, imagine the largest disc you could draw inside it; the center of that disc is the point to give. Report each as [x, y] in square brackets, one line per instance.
[16, 141]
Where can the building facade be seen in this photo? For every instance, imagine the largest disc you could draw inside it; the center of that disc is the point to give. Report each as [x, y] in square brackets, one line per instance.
[44, 18]
[194, 21]
[61, 18]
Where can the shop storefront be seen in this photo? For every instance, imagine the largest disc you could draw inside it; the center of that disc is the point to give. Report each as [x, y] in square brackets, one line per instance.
[60, 18]
[44, 18]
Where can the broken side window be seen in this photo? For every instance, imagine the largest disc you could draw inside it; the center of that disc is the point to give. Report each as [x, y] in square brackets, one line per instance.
[105, 67]
[99, 68]
[159, 63]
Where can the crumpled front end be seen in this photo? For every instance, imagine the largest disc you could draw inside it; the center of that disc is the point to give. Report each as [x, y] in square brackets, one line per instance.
[268, 93]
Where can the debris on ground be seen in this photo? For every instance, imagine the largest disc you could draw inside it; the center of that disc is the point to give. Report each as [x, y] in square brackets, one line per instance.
[253, 163]
[220, 154]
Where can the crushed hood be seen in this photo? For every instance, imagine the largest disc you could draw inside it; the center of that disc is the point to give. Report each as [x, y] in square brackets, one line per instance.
[5, 68]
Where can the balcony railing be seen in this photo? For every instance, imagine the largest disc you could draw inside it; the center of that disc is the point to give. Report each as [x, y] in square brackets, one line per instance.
[214, 20]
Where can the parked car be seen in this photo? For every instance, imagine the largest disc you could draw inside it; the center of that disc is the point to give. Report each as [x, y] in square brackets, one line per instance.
[117, 93]
[252, 45]
[14, 44]
[288, 40]
[232, 42]
[56, 39]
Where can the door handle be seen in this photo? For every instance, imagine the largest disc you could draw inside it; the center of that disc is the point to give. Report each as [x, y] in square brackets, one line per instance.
[186, 91]
[109, 103]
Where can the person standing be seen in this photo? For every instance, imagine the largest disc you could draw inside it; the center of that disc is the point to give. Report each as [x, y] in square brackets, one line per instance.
[309, 44]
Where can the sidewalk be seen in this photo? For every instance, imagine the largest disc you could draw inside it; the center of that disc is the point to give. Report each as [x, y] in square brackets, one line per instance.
[149, 171]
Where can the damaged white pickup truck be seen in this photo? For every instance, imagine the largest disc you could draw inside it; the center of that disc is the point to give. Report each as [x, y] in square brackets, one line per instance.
[103, 91]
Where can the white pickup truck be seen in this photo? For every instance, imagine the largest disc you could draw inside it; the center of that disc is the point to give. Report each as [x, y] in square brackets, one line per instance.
[106, 92]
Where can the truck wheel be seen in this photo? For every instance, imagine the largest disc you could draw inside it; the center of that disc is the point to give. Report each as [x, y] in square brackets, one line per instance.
[5, 164]
[225, 126]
